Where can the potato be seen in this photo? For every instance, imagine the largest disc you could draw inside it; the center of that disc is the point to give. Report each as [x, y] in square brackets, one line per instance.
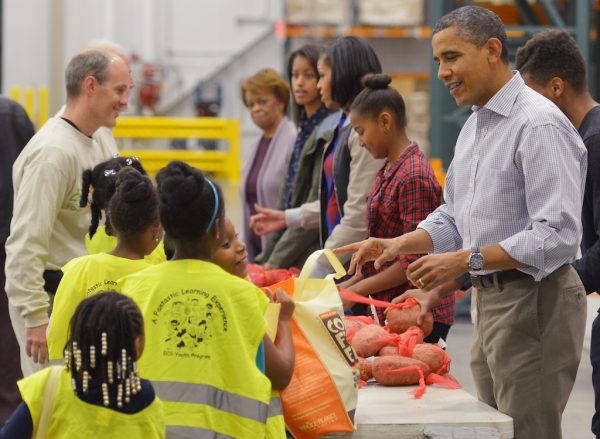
[366, 369]
[388, 350]
[355, 324]
[370, 339]
[398, 370]
[432, 355]
[400, 319]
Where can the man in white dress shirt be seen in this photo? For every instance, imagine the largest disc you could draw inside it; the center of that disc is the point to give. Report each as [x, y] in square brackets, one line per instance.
[512, 219]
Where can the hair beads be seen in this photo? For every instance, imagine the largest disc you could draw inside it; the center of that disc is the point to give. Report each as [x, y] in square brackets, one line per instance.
[93, 356]
[102, 346]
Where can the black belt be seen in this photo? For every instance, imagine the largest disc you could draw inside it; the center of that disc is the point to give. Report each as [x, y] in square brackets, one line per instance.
[497, 279]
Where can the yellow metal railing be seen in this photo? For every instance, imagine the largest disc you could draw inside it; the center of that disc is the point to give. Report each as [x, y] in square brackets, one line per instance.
[37, 110]
[226, 164]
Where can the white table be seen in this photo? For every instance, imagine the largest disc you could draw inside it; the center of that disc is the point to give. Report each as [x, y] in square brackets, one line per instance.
[440, 414]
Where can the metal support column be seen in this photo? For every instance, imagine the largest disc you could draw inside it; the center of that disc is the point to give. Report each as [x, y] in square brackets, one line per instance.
[446, 118]
[582, 29]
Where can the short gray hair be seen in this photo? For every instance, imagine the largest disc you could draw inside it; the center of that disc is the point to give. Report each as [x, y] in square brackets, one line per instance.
[475, 25]
[87, 63]
[110, 47]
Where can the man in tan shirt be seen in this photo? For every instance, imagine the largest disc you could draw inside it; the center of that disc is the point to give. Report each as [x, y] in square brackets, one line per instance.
[48, 226]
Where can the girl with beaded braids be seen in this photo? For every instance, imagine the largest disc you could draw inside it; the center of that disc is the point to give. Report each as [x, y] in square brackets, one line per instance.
[98, 391]
[101, 181]
[133, 217]
[204, 326]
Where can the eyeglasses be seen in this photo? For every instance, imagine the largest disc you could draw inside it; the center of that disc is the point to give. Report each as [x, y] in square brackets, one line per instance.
[261, 102]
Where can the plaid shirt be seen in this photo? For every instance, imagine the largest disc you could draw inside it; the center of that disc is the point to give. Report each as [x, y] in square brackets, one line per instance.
[402, 195]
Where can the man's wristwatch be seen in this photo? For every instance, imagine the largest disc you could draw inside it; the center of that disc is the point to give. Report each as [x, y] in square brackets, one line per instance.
[476, 260]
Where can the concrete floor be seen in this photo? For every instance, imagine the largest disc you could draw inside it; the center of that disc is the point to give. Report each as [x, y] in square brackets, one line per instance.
[580, 408]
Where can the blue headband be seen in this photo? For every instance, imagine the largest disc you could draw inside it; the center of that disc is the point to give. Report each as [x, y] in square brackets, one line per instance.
[214, 215]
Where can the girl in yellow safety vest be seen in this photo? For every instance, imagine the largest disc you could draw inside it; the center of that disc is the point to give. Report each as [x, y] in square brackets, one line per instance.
[101, 181]
[133, 217]
[204, 326]
[233, 258]
[98, 392]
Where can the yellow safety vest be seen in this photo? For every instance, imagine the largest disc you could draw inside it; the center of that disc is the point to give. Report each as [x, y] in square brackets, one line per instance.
[83, 277]
[103, 243]
[275, 421]
[74, 418]
[203, 327]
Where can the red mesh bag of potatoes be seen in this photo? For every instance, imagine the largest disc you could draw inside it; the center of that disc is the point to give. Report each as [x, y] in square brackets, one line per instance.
[399, 371]
[405, 344]
[366, 369]
[370, 339]
[264, 278]
[402, 316]
[434, 356]
[388, 350]
[439, 363]
[356, 323]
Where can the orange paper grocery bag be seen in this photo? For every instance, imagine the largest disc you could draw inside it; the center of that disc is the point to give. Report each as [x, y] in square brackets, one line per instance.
[321, 397]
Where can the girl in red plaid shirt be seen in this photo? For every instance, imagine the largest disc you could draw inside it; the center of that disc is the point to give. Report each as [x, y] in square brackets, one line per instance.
[404, 192]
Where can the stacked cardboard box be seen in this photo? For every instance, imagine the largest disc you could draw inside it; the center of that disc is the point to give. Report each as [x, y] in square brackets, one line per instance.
[391, 12]
[416, 97]
[319, 12]
[417, 111]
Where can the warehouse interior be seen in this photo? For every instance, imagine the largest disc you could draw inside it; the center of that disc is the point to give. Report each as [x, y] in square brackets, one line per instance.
[189, 59]
[182, 72]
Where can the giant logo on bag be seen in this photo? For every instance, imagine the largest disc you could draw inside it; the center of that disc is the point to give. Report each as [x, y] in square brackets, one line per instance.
[337, 331]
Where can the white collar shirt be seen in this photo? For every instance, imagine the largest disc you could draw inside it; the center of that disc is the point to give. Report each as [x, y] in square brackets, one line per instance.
[517, 179]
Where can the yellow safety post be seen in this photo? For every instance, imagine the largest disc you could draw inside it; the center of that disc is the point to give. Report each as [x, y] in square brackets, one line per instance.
[37, 114]
[15, 93]
[233, 164]
[224, 163]
[42, 106]
[28, 104]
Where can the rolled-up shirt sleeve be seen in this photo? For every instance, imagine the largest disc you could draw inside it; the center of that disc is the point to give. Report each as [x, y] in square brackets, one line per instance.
[553, 196]
[306, 216]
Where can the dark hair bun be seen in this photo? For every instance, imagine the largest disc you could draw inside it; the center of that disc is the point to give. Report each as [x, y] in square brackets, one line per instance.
[377, 81]
[132, 186]
[180, 184]
[187, 201]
